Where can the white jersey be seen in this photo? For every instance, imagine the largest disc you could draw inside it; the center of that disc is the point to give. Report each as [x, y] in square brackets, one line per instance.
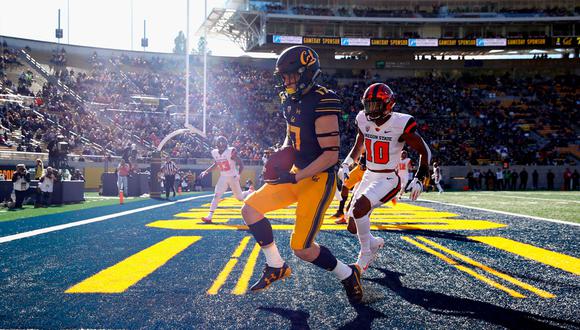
[382, 144]
[225, 162]
[404, 166]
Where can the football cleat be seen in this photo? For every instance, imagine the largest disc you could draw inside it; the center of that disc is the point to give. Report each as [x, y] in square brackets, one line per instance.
[337, 215]
[340, 221]
[271, 275]
[353, 285]
[206, 220]
[365, 259]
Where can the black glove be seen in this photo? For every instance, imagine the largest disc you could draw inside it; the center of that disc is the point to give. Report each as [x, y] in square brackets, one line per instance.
[284, 177]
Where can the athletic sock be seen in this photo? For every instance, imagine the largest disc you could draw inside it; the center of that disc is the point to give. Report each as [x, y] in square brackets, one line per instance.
[341, 271]
[363, 227]
[273, 258]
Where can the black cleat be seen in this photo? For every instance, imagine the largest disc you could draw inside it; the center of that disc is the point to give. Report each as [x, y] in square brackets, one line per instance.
[271, 275]
[353, 286]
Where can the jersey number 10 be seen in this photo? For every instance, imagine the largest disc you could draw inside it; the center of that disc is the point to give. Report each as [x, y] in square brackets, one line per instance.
[377, 152]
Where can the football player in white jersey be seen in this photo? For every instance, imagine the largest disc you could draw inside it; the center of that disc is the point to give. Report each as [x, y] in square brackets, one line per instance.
[382, 133]
[230, 166]
[403, 171]
[436, 176]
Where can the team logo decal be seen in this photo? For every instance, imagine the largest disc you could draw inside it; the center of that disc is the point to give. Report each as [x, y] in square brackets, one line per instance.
[377, 129]
[307, 58]
[367, 128]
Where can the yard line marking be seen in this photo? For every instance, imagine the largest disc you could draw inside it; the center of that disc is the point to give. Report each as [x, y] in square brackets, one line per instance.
[223, 275]
[448, 225]
[541, 199]
[539, 292]
[467, 270]
[121, 276]
[244, 280]
[502, 212]
[87, 221]
[547, 257]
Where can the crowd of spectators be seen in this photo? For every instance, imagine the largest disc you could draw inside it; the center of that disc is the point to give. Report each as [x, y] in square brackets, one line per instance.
[466, 120]
[435, 10]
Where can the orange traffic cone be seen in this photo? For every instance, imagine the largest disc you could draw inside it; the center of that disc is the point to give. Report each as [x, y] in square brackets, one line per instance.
[179, 190]
[121, 197]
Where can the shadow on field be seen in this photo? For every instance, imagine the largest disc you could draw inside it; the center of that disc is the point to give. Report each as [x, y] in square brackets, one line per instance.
[298, 319]
[439, 303]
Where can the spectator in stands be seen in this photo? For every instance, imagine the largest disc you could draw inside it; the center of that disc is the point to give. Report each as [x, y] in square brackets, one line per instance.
[38, 169]
[122, 177]
[21, 183]
[45, 188]
[550, 178]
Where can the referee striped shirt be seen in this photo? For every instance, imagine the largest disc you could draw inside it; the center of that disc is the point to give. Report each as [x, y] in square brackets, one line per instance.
[169, 168]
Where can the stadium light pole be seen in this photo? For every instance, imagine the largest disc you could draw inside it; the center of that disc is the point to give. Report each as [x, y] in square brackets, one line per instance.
[131, 24]
[204, 67]
[68, 22]
[187, 68]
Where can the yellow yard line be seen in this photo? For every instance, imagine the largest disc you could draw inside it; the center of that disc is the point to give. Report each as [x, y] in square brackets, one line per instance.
[248, 271]
[463, 268]
[551, 258]
[223, 275]
[120, 277]
[539, 292]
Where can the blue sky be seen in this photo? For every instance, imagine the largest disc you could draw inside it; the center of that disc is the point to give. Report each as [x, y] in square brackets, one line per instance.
[107, 23]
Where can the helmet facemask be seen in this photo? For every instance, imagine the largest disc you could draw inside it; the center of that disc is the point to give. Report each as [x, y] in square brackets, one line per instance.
[376, 109]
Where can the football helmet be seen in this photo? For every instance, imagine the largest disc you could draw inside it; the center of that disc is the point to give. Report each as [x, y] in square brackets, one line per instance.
[297, 69]
[221, 143]
[378, 101]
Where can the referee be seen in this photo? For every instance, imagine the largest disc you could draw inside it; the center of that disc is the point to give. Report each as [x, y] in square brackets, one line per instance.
[169, 169]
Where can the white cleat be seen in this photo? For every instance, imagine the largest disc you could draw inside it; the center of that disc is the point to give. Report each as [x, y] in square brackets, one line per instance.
[365, 259]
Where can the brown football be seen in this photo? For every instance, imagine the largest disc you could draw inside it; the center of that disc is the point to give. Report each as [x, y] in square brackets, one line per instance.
[279, 161]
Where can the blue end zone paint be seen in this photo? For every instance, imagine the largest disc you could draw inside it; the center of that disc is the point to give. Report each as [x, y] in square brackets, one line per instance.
[32, 223]
[406, 288]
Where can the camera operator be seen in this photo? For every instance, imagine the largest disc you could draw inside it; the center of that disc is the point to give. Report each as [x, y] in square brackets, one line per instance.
[45, 188]
[21, 182]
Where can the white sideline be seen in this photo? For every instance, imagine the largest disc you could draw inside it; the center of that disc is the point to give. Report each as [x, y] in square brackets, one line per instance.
[87, 221]
[503, 212]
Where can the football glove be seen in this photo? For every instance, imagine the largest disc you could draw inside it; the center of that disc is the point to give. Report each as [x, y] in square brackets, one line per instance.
[284, 177]
[345, 170]
[416, 188]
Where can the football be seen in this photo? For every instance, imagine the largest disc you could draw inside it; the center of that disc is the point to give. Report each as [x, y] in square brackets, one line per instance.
[279, 161]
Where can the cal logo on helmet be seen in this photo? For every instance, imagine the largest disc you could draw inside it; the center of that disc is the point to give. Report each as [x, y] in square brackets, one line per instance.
[307, 58]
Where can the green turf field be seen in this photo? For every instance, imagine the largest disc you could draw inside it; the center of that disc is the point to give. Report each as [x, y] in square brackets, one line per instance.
[559, 205]
[92, 199]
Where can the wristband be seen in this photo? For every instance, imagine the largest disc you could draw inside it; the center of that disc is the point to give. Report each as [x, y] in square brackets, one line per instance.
[349, 161]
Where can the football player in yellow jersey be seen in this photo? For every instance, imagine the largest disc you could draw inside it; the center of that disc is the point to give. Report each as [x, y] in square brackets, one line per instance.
[353, 177]
[311, 112]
